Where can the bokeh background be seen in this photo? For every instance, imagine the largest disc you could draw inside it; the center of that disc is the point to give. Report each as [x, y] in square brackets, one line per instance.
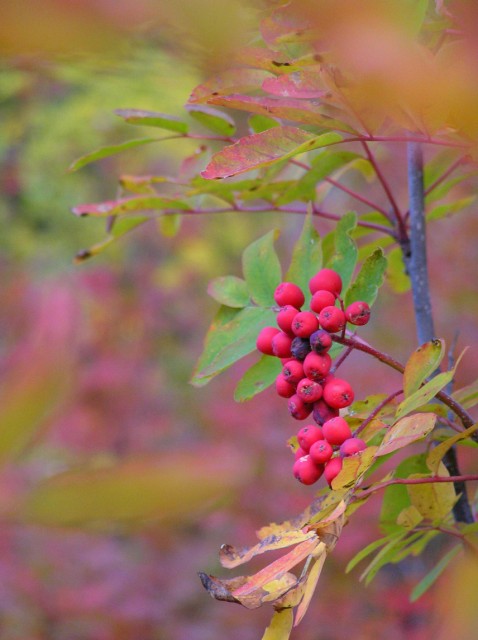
[95, 358]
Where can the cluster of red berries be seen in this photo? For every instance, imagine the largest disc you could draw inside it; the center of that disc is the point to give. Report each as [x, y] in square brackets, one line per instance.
[302, 342]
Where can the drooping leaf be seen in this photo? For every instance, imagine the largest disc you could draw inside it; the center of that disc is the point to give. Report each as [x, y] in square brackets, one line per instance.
[260, 376]
[263, 149]
[280, 626]
[306, 256]
[345, 257]
[169, 488]
[369, 279]
[433, 500]
[427, 391]
[261, 269]
[310, 586]
[278, 567]
[110, 150]
[231, 557]
[384, 556]
[152, 119]
[436, 454]
[121, 227]
[427, 581]
[130, 204]
[227, 342]
[421, 364]
[213, 119]
[230, 291]
[396, 497]
[406, 431]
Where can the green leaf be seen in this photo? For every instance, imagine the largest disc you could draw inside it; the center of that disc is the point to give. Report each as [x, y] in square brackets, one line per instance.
[260, 376]
[152, 119]
[363, 553]
[428, 391]
[169, 225]
[280, 625]
[406, 431]
[169, 488]
[258, 123]
[306, 256]
[444, 210]
[426, 582]
[396, 497]
[111, 150]
[345, 256]
[467, 396]
[421, 364]
[230, 291]
[397, 277]
[322, 166]
[127, 205]
[121, 227]
[384, 556]
[369, 280]
[436, 454]
[264, 149]
[261, 268]
[230, 341]
[213, 119]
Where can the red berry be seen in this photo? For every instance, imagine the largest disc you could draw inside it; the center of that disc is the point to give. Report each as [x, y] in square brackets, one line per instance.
[308, 435]
[322, 412]
[289, 293]
[306, 471]
[293, 371]
[321, 451]
[304, 323]
[264, 340]
[338, 393]
[284, 388]
[298, 409]
[285, 316]
[281, 343]
[317, 365]
[299, 452]
[309, 390]
[322, 299]
[336, 431]
[358, 313]
[320, 341]
[351, 446]
[332, 319]
[332, 469]
[326, 279]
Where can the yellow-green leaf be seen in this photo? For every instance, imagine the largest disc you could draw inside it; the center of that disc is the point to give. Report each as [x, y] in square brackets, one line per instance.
[421, 364]
[405, 431]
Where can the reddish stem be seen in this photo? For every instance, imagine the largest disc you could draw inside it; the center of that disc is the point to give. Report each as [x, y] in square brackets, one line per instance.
[376, 411]
[430, 480]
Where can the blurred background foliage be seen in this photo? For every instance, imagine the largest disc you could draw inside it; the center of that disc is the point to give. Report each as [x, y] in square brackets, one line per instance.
[118, 480]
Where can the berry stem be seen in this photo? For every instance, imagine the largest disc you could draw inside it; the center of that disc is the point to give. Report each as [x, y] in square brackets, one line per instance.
[431, 480]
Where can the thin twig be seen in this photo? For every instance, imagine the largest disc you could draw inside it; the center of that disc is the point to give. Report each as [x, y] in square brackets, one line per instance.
[376, 411]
